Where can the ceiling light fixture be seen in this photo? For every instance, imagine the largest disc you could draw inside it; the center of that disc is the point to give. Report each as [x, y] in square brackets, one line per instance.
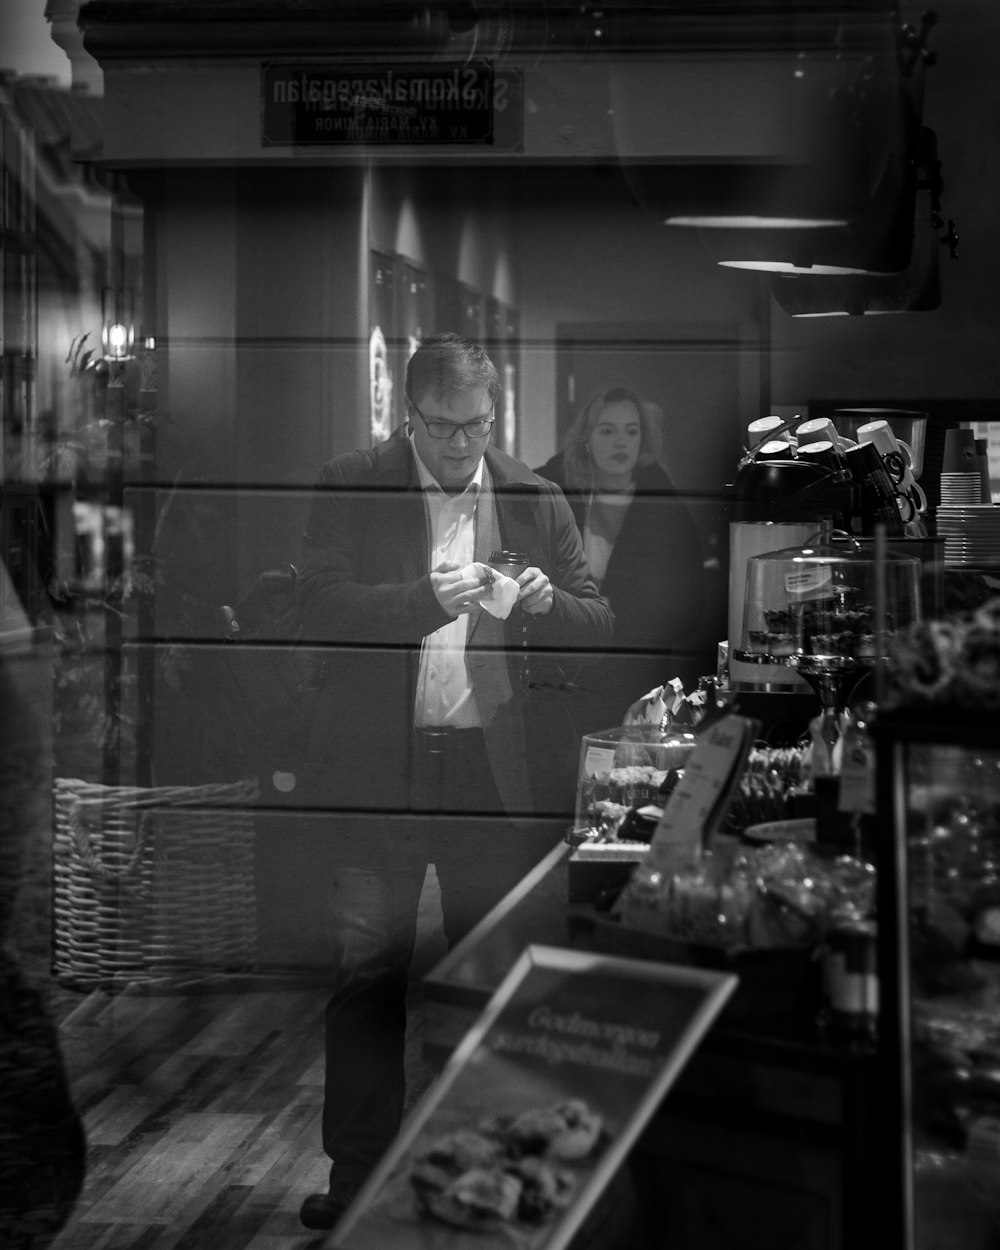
[865, 157]
[758, 123]
[917, 288]
[878, 242]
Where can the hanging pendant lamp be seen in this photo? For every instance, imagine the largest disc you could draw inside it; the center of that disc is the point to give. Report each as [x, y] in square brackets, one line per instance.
[761, 120]
[878, 241]
[917, 288]
[867, 138]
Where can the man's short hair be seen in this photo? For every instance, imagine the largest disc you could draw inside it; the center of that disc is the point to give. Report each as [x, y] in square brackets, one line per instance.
[449, 364]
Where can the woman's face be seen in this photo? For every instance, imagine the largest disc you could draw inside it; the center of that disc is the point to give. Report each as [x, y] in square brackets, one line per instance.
[615, 440]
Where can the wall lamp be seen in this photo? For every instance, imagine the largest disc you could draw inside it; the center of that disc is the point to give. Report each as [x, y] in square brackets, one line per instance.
[117, 323]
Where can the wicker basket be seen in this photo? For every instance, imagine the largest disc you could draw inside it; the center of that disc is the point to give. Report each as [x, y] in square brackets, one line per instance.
[152, 883]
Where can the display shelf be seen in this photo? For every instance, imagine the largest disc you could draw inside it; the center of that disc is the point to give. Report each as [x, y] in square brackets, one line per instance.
[938, 777]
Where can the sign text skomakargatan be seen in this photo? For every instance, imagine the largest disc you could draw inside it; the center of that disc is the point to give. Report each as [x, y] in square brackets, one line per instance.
[467, 103]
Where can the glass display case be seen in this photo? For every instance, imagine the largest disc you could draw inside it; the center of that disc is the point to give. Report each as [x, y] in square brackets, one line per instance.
[828, 610]
[939, 957]
[818, 607]
[625, 767]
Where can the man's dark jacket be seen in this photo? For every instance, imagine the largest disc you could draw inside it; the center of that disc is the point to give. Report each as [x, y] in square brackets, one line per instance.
[365, 589]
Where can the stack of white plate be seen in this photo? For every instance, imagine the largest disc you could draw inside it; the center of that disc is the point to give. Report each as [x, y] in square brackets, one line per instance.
[971, 534]
[961, 488]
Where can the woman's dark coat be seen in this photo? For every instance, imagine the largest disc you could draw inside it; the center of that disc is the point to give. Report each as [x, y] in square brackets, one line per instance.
[655, 584]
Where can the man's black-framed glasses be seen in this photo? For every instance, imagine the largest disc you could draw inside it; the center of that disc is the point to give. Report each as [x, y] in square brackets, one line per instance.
[479, 427]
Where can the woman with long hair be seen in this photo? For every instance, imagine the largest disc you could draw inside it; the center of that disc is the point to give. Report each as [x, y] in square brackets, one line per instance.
[643, 547]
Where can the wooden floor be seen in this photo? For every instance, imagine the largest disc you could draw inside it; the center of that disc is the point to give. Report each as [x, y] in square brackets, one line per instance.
[202, 1113]
[202, 1106]
[201, 1103]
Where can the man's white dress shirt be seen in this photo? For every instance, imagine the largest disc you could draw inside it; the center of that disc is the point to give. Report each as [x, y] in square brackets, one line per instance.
[444, 691]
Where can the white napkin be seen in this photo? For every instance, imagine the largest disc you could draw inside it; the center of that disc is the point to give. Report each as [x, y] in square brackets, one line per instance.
[503, 593]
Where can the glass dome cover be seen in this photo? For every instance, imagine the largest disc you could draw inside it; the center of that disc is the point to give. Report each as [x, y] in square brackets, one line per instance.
[625, 767]
[821, 603]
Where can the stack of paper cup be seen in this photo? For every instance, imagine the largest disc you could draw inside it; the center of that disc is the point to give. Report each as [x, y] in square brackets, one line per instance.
[961, 479]
[983, 462]
[971, 534]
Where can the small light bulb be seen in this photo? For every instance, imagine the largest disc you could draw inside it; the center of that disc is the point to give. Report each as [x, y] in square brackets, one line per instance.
[117, 340]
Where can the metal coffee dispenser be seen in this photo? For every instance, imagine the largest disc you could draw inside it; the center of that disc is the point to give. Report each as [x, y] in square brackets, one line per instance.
[778, 503]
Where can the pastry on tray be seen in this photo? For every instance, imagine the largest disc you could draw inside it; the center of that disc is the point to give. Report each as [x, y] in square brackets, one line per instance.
[569, 1130]
[480, 1198]
[507, 1170]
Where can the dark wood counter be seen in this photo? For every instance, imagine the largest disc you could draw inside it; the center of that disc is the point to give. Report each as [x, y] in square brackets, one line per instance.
[765, 1139]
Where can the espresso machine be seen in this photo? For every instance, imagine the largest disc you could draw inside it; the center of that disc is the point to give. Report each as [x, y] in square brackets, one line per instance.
[778, 502]
[782, 498]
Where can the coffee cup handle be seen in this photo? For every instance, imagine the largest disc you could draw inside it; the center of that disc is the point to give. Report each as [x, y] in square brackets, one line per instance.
[911, 502]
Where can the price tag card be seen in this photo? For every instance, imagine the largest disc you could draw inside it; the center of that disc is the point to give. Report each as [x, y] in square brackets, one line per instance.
[810, 582]
[696, 809]
[538, 1106]
[699, 802]
[598, 762]
[857, 773]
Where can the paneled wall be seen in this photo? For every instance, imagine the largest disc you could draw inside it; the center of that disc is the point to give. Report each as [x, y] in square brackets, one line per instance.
[262, 306]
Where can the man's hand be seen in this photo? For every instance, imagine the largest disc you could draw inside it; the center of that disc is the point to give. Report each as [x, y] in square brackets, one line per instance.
[458, 595]
[535, 595]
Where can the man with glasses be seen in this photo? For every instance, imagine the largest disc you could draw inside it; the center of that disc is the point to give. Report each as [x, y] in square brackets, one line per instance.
[426, 715]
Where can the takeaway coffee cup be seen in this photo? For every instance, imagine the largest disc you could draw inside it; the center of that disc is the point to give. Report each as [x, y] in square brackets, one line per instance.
[959, 452]
[510, 563]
